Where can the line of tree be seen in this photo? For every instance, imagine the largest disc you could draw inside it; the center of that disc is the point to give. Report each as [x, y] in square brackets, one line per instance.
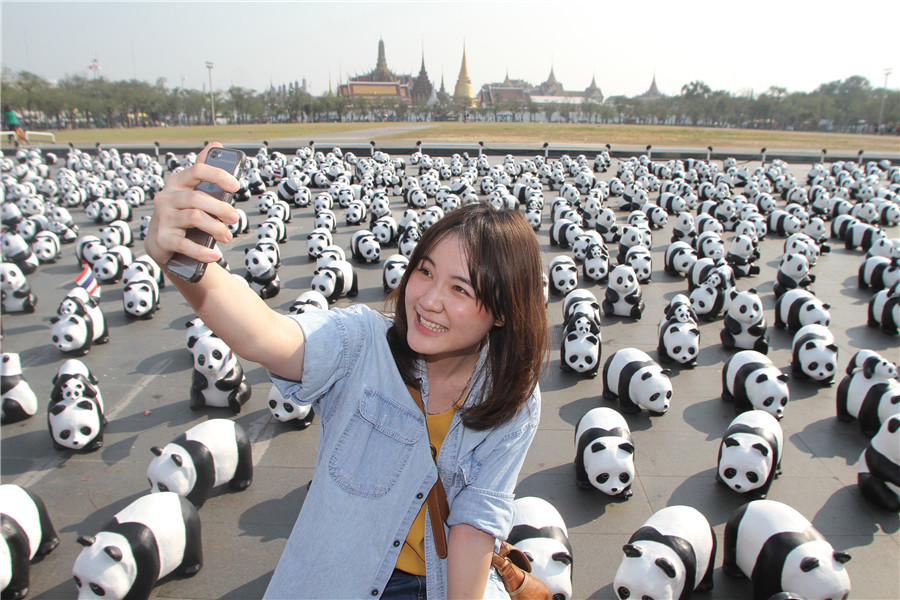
[849, 105]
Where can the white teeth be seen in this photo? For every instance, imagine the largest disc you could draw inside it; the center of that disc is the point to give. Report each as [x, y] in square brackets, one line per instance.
[432, 326]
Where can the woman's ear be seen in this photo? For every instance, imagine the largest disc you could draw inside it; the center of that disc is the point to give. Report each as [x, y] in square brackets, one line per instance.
[500, 322]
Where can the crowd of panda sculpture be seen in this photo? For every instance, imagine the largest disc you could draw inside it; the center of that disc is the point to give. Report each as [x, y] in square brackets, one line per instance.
[611, 228]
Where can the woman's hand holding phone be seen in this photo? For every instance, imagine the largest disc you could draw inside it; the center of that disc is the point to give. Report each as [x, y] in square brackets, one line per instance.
[180, 207]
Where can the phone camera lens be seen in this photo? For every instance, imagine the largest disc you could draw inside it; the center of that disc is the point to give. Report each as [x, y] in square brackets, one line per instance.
[215, 154]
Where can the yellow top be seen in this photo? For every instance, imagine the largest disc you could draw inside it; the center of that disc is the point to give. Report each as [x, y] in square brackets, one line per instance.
[412, 555]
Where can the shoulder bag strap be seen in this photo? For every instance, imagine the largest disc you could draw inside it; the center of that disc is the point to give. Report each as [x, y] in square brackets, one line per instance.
[438, 508]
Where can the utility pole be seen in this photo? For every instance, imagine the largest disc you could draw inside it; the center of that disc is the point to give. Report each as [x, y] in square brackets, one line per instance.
[212, 102]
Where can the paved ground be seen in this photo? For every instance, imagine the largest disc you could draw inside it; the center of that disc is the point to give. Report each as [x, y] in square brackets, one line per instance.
[145, 372]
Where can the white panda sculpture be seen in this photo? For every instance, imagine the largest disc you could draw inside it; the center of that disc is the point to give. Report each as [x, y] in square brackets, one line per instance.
[580, 353]
[751, 380]
[869, 397]
[336, 279]
[883, 310]
[679, 257]
[604, 453]
[286, 411]
[539, 531]
[205, 456]
[15, 291]
[27, 533]
[46, 246]
[596, 263]
[140, 297]
[678, 341]
[79, 324]
[75, 414]
[308, 300]
[154, 536]
[671, 556]
[745, 323]
[18, 401]
[777, 548]
[261, 272]
[623, 294]
[364, 247]
[878, 273]
[798, 307]
[793, 272]
[392, 272]
[814, 354]
[750, 453]
[636, 380]
[563, 275]
[218, 378]
[872, 363]
[879, 467]
[317, 240]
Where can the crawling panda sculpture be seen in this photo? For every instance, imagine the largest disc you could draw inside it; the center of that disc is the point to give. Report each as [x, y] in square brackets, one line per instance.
[76, 414]
[218, 378]
[580, 353]
[604, 453]
[287, 411]
[336, 279]
[79, 324]
[814, 354]
[798, 307]
[671, 556]
[751, 380]
[308, 300]
[883, 310]
[205, 456]
[154, 536]
[395, 266]
[27, 533]
[140, 297]
[539, 531]
[750, 453]
[869, 396]
[18, 400]
[563, 275]
[636, 380]
[879, 467]
[779, 550]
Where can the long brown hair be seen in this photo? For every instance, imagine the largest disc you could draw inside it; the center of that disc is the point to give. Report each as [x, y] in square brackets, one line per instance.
[505, 269]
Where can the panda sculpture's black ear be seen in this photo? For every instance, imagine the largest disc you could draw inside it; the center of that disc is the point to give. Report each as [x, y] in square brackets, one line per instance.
[763, 449]
[667, 567]
[893, 425]
[598, 447]
[87, 540]
[761, 377]
[632, 551]
[731, 442]
[156, 450]
[841, 557]
[627, 447]
[832, 347]
[809, 563]
[783, 377]
[176, 458]
[114, 552]
[563, 557]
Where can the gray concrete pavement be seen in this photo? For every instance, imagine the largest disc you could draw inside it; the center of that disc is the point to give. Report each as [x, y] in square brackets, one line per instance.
[145, 373]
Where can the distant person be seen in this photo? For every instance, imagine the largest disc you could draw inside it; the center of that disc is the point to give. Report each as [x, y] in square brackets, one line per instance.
[11, 123]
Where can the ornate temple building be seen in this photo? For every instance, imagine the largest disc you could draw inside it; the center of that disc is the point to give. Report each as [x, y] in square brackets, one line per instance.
[518, 91]
[381, 83]
[423, 91]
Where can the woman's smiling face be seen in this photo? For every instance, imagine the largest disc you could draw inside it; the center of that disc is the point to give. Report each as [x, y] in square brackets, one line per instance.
[445, 317]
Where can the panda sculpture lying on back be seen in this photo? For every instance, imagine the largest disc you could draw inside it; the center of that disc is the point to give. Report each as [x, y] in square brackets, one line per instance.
[205, 456]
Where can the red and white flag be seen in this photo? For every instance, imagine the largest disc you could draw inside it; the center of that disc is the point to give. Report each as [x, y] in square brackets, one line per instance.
[88, 282]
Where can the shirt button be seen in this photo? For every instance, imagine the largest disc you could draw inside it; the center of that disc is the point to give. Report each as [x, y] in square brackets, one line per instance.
[396, 543]
[375, 592]
[419, 496]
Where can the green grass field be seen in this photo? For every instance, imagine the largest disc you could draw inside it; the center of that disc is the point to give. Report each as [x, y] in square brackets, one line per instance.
[502, 133]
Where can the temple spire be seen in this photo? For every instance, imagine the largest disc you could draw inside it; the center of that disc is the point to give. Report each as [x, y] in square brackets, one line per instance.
[463, 93]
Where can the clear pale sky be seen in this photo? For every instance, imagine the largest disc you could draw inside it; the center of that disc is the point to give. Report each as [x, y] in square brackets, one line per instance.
[735, 46]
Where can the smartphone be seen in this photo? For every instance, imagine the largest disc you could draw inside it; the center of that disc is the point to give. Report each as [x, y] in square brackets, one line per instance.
[227, 159]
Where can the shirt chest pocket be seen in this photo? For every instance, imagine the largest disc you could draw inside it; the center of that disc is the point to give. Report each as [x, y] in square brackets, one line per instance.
[375, 446]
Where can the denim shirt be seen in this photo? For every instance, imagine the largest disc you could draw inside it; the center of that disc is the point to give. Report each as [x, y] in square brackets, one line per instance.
[374, 467]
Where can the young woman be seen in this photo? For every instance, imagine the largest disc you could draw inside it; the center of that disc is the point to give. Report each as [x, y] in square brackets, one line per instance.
[468, 332]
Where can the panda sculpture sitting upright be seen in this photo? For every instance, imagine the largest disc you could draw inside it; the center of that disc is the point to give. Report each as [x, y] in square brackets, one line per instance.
[879, 465]
[539, 531]
[27, 533]
[15, 291]
[750, 453]
[604, 453]
[745, 323]
[623, 294]
[671, 555]
[205, 456]
[636, 380]
[262, 272]
[793, 272]
[154, 536]
[18, 401]
[779, 550]
[218, 378]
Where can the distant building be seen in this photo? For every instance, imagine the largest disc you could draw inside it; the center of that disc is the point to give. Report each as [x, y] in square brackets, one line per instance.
[653, 93]
[422, 90]
[381, 83]
[464, 94]
[550, 91]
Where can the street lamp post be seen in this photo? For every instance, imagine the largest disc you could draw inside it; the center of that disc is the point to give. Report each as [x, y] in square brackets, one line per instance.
[212, 101]
[883, 97]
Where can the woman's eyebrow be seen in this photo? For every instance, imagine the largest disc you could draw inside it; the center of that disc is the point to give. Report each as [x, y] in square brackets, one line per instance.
[463, 278]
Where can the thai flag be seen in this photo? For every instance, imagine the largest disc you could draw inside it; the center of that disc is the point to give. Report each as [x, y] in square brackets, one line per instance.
[87, 281]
